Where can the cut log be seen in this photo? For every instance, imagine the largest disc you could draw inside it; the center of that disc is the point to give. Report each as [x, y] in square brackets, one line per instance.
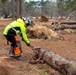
[57, 27]
[65, 22]
[69, 22]
[63, 25]
[63, 65]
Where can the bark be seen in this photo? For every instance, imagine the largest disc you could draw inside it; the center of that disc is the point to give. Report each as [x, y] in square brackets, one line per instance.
[63, 65]
[13, 10]
[65, 26]
[65, 22]
[20, 7]
[17, 9]
[70, 23]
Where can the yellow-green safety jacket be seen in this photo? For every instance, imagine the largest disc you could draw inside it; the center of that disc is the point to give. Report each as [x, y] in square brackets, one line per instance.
[18, 23]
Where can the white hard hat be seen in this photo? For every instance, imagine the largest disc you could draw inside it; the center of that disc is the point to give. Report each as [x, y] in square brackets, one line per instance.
[27, 20]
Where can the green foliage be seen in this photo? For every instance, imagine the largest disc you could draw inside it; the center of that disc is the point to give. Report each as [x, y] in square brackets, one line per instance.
[3, 1]
[70, 5]
[61, 7]
[44, 73]
[33, 8]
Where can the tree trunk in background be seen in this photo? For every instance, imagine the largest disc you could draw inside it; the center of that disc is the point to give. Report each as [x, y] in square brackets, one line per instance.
[13, 10]
[17, 10]
[20, 7]
[19, 4]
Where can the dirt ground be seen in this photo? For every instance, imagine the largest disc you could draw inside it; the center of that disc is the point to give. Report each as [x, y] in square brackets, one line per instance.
[65, 48]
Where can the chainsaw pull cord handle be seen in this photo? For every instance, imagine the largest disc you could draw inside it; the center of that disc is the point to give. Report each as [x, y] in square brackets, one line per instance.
[36, 52]
[32, 47]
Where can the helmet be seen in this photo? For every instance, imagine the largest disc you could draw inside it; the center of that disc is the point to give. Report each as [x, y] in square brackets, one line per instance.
[27, 20]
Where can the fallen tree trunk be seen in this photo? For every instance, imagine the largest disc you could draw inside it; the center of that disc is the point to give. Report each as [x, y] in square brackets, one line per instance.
[69, 22]
[63, 65]
[65, 22]
[57, 27]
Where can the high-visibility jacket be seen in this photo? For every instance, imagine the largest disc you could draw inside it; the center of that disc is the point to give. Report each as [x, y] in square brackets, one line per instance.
[19, 27]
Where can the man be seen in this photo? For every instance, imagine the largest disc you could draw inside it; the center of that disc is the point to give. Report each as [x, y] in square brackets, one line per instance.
[11, 31]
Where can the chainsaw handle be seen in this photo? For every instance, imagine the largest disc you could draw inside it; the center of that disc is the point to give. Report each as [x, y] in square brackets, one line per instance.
[32, 47]
[34, 51]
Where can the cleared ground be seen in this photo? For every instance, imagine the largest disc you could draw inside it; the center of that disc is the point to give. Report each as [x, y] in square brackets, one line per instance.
[65, 48]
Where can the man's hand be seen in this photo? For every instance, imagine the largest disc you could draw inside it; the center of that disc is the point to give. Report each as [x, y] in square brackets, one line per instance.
[34, 51]
[32, 47]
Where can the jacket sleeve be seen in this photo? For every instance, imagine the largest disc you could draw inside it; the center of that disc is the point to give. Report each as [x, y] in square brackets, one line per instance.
[24, 36]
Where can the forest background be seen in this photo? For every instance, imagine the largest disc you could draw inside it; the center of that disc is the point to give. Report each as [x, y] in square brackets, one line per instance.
[21, 8]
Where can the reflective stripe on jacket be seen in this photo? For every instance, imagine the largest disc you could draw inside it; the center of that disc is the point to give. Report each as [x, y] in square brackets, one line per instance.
[18, 23]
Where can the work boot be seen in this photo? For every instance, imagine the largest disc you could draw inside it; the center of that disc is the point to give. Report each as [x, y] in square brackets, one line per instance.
[11, 52]
[11, 55]
[19, 58]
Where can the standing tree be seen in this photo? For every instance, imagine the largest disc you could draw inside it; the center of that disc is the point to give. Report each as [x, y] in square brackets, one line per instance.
[13, 10]
[70, 5]
[42, 6]
[18, 12]
[19, 5]
[60, 7]
[3, 1]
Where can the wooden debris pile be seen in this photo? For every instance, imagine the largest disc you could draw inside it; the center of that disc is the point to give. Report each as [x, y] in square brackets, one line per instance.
[41, 32]
[43, 19]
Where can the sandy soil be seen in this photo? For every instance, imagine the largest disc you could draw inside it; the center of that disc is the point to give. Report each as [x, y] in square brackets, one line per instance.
[65, 48]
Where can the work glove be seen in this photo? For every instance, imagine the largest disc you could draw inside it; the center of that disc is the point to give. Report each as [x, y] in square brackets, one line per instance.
[34, 51]
[31, 47]
[28, 44]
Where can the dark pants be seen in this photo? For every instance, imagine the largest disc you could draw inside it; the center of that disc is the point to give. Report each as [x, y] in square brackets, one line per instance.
[15, 48]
